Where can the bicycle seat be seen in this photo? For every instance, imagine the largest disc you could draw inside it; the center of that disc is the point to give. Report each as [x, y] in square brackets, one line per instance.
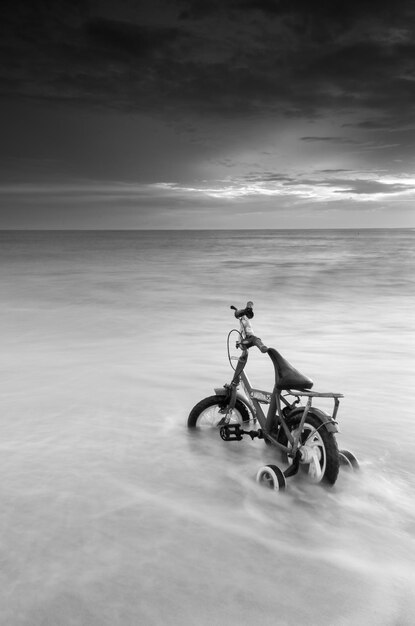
[286, 376]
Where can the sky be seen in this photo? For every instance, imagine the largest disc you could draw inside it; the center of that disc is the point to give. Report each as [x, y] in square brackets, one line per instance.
[207, 114]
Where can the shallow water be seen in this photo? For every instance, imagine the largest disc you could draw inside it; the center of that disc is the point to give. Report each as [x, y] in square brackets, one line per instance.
[113, 513]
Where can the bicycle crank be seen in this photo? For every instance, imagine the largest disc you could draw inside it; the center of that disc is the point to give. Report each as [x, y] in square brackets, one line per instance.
[234, 432]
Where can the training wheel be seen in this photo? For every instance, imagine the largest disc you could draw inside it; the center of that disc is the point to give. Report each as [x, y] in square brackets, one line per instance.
[348, 460]
[272, 477]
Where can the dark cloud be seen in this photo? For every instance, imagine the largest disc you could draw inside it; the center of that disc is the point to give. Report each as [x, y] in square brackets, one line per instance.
[368, 187]
[392, 124]
[375, 73]
[329, 139]
[199, 9]
[333, 171]
[251, 57]
[267, 177]
[130, 40]
[370, 124]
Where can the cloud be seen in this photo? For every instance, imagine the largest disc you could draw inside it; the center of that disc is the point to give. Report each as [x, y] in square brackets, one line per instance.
[202, 204]
[219, 58]
[268, 177]
[330, 139]
[129, 40]
[389, 124]
[325, 186]
[333, 171]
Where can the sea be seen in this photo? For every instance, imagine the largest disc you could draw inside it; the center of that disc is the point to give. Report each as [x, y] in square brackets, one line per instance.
[113, 513]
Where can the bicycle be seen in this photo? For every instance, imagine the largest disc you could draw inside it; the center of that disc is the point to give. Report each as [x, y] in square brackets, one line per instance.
[304, 434]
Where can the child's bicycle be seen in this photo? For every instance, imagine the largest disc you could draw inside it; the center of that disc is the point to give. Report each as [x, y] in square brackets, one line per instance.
[304, 434]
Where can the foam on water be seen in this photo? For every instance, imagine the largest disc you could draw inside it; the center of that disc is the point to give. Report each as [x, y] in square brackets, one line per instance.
[114, 513]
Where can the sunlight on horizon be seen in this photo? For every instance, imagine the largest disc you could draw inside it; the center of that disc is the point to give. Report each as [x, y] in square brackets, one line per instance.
[320, 189]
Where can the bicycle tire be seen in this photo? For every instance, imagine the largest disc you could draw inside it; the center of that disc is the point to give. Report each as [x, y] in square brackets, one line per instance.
[272, 477]
[314, 434]
[240, 413]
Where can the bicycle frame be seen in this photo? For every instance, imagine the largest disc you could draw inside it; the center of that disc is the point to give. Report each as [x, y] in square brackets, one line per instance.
[274, 419]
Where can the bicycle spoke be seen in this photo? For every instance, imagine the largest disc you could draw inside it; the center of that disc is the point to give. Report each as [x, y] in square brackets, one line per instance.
[314, 468]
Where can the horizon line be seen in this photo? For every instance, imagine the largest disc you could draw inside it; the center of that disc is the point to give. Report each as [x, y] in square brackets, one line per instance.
[4, 230]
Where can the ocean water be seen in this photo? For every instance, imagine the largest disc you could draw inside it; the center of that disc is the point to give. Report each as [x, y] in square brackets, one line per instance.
[113, 513]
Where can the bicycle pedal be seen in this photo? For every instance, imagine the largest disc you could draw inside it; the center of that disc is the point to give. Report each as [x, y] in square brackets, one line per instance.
[231, 432]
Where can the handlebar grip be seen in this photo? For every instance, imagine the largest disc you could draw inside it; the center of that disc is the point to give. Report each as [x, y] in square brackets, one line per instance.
[248, 310]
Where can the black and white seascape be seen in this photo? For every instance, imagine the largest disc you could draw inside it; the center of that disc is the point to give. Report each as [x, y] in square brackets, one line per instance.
[111, 513]
[160, 161]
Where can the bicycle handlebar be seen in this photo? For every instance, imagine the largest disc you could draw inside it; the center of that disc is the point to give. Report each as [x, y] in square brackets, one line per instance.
[249, 338]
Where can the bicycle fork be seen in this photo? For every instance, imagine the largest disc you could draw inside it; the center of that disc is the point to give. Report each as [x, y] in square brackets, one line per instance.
[233, 387]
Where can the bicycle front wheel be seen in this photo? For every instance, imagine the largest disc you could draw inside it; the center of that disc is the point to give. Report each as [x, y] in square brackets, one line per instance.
[209, 412]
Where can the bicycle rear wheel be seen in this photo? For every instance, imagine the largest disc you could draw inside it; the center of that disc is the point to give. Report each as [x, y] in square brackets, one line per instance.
[319, 451]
